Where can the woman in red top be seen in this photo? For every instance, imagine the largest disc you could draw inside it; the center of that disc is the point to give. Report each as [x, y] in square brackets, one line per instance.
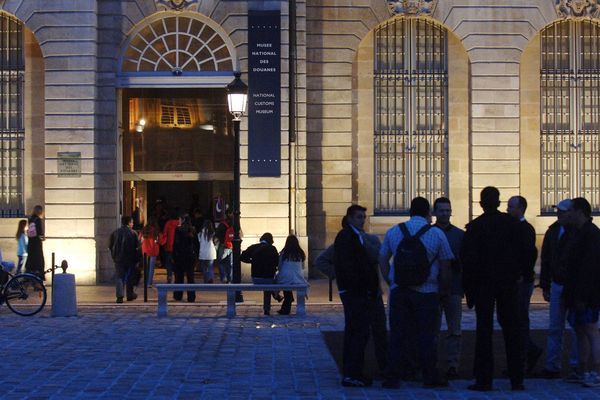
[151, 242]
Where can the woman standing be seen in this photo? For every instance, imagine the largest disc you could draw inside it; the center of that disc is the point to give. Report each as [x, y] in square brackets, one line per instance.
[208, 252]
[184, 256]
[151, 247]
[35, 252]
[291, 266]
[22, 241]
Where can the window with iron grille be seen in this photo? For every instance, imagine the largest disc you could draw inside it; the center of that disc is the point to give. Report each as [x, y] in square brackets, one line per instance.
[12, 131]
[570, 113]
[175, 116]
[411, 113]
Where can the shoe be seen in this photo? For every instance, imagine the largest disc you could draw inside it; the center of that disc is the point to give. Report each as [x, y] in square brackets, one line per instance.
[439, 383]
[281, 312]
[574, 377]
[532, 359]
[591, 379]
[278, 297]
[119, 300]
[356, 382]
[452, 373]
[517, 387]
[480, 387]
[390, 383]
[549, 374]
[132, 297]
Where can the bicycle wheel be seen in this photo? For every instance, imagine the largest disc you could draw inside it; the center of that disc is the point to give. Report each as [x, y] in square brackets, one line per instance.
[25, 294]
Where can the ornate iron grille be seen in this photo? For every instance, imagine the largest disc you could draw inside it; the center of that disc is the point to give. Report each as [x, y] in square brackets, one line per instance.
[12, 131]
[570, 112]
[411, 113]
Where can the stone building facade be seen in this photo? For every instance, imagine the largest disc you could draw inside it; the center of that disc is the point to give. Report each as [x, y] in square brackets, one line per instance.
[487, 100]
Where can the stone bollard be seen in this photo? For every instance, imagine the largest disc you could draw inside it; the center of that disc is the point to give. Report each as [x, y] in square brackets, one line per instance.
[64, 297]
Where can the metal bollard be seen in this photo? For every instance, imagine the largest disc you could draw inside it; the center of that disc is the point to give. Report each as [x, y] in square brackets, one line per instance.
[64, 295]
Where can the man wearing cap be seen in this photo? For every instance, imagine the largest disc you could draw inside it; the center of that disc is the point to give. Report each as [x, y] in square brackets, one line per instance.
[552, 280]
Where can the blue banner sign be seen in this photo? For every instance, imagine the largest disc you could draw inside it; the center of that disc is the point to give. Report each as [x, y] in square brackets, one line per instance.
[264, 94]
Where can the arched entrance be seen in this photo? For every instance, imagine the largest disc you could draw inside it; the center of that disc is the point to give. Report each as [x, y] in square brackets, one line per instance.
[176, 148]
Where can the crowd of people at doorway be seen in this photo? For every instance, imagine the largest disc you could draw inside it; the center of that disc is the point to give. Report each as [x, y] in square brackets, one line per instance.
[182, 244]
[430, 267]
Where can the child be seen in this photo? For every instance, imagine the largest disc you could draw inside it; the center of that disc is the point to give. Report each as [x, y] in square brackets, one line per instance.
[22, 240]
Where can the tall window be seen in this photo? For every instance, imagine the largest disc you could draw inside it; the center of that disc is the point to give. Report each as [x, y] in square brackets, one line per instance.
[12, 132]
[570, 112]
[411, 113]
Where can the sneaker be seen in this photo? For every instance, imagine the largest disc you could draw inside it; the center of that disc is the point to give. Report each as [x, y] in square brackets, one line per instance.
[591, 379]
[356, 382]
[574, 377]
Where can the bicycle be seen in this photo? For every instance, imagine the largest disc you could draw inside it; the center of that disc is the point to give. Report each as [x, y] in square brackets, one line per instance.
[25, 294]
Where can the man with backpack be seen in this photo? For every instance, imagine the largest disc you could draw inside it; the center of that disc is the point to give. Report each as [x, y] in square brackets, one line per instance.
[124, 249]
[418, 276]
[491, 274]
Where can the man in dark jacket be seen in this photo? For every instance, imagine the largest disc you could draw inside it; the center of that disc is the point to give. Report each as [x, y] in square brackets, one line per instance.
[124, 249]
[358, 286]
[491, 272]
[517, 205]
[264, 258]
[581, 293]
[552, 281]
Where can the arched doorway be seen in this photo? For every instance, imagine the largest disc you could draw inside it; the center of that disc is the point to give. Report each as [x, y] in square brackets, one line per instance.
[176, 146]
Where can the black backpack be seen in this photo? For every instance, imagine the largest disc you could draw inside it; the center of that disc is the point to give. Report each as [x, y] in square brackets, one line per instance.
[411, 265]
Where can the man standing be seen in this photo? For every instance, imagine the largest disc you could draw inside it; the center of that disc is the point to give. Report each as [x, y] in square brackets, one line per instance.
[516, 209]
[490, 279]
[451, 305]
[553, 276]
[124, 250]
[359, 289]
[264, 258]
[414, 302]
[581, 293]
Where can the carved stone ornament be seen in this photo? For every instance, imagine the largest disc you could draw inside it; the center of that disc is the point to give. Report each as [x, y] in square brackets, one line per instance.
[577, 8]
[412, 7]
[177, 5]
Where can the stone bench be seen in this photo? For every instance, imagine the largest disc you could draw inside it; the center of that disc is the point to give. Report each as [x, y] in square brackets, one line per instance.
[164, 288]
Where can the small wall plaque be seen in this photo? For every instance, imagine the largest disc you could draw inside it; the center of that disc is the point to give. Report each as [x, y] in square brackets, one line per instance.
[69, 164]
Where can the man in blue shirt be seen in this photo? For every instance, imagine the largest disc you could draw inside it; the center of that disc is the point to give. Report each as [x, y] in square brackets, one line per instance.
[416, 307]
[451, 305]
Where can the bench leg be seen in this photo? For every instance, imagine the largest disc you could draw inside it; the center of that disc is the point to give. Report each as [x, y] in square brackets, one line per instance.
[300, 305]
[162, 303]
[230, 303]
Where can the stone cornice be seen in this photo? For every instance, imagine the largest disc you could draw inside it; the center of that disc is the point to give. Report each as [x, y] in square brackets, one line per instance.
[577, 8]
[412, 7]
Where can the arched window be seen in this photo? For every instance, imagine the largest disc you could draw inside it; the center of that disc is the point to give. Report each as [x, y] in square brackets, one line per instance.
[411, 113]
[570, 112]
[12, 131]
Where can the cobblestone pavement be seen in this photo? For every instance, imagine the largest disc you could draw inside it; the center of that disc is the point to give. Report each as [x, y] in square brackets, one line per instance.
[127, 352]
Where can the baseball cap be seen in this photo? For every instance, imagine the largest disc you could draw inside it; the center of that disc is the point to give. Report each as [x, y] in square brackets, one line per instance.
[564, 205]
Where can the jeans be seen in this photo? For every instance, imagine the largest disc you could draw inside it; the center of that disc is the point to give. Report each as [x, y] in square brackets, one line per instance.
[21, 264]
[151, 264]
[184, 269]
[530, 348]
[225, 266]
[267, 294]
[207, 270]
[410, 309]
[451, 307]
[558, 316]
[123, 280]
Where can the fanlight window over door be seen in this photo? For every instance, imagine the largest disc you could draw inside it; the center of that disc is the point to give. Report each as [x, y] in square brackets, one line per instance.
[411, 113]
[12, 130]
[570, 112]
[178, 44]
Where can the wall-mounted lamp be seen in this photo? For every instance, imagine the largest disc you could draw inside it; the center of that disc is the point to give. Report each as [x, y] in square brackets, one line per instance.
[139, 127]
